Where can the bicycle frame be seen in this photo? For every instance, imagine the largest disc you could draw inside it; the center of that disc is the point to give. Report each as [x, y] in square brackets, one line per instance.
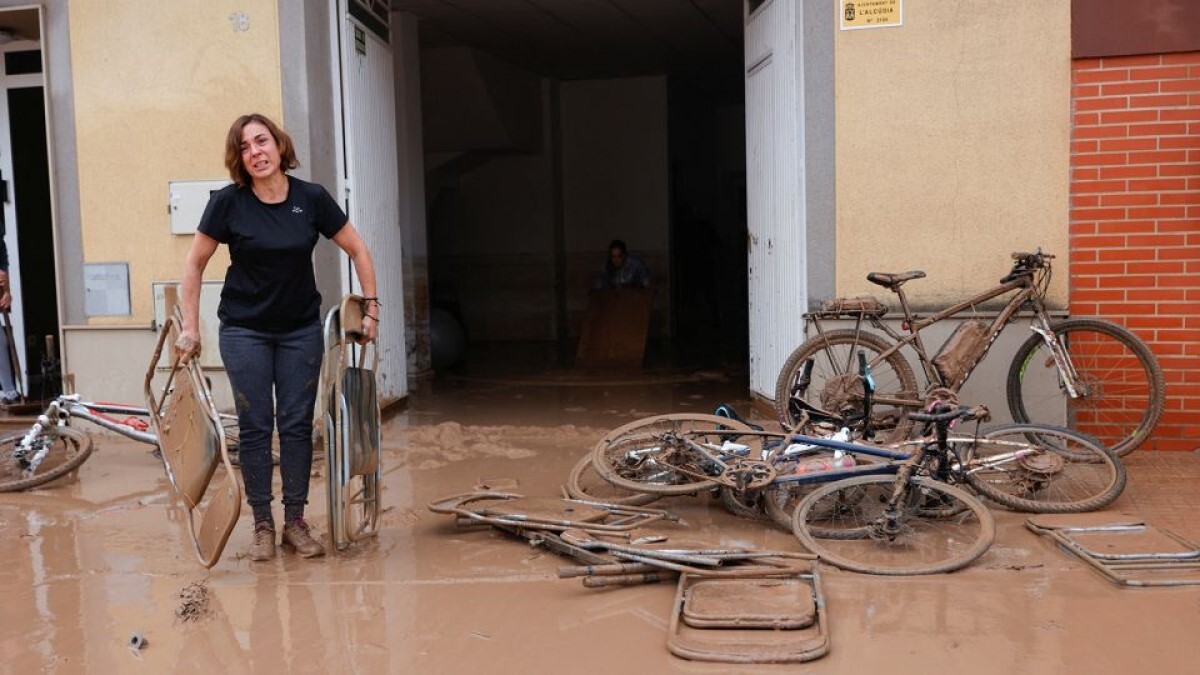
[95, 413]
[66, 406]
[1028, 292]
[897, 460]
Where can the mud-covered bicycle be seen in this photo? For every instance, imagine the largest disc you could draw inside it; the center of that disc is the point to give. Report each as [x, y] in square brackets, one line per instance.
[52, 448]
[1025, 467]
[914, 522]
[1087, 374]
[1035, 468]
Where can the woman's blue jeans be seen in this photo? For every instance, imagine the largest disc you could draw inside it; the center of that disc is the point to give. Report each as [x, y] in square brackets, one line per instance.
[274, 380]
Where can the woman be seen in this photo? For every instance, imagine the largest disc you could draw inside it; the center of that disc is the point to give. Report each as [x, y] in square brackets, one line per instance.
[271, 339]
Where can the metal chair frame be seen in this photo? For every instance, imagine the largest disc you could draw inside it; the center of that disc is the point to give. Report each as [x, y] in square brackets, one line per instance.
[348, 403]
[189, 434]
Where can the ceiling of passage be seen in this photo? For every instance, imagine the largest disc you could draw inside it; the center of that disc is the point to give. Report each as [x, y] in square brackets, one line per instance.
[589, 39]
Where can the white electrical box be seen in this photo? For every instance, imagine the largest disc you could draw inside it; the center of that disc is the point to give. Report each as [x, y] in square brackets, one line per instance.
[106, 289]
[186, 200]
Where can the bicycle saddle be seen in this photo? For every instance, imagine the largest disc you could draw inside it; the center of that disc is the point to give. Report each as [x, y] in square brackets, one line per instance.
[893, 279]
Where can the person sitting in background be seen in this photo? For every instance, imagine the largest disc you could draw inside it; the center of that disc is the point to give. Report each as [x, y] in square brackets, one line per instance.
[622, 270]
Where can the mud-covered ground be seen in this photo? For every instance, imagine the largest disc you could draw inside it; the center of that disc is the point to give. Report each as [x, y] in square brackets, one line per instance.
[90, 562]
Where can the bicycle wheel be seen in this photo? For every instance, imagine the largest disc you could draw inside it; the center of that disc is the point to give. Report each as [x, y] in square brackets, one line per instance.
[584, 483]
[746, 504]
[834, 384]
[1122, 387]
[69, 448]
[652, 455]
[908, 541]
[1043, 469]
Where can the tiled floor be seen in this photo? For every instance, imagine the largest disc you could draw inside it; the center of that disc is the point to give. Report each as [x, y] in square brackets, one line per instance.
[1164, 488]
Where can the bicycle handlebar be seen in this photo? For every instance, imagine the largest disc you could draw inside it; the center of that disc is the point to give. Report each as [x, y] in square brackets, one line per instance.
[1031, 260]
[1026, 263]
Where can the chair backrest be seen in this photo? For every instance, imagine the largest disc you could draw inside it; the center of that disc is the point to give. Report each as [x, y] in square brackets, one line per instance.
[351, 317]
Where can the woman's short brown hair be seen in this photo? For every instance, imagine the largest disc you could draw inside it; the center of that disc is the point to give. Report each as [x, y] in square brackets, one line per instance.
[233, 148]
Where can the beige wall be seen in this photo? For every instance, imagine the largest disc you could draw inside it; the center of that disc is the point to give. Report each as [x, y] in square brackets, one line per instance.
[156, 86]
[952, 145]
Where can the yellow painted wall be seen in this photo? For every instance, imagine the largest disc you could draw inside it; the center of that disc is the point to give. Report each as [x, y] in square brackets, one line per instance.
[157, 85]
[953, 136]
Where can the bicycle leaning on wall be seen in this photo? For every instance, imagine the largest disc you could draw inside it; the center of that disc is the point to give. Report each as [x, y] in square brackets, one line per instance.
[1088, 374]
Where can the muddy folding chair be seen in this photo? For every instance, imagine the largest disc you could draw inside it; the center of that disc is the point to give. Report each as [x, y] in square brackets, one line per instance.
[192, 442]
[749, 619]
[543, 522]
[350, 407]
[553, 514]
[1126, 551]
[732, 604]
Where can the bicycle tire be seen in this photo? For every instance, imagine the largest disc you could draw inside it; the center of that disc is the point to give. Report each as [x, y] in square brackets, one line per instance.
[1126, 388]
[70, 448]
[1069, 473]
[610, 456]
[926, 545]
[585, 484]
[781, 499]
[835, 384]
[746, 504]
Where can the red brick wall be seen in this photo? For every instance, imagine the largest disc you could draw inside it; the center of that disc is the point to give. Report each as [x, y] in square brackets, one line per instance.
[1135, 216]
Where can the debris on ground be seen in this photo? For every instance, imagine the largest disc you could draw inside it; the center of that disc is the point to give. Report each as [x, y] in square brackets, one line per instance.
[137, 642]
[195, 602]
[733, 604]
[497, 484]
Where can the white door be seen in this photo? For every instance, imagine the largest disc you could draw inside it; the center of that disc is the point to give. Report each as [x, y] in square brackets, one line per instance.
[370, 168]
[774, 190]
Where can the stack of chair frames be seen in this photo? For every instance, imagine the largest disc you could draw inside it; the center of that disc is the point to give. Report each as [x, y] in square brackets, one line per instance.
[348, 402]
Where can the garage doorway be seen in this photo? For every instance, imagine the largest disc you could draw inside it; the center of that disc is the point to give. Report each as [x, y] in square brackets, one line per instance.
[26, 215]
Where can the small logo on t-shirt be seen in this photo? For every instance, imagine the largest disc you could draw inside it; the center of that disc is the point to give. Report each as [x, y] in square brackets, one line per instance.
[297, 209]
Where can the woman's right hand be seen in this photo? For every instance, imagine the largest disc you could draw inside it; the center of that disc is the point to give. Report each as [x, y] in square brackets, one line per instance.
[187, 346]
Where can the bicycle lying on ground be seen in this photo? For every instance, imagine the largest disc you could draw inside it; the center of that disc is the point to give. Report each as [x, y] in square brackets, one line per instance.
[1027, 467]
[1035, 468]
[51, 448]
[915, 522]
[1090, 374]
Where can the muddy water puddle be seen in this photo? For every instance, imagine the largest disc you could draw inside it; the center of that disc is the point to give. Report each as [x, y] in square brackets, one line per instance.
[89, 562]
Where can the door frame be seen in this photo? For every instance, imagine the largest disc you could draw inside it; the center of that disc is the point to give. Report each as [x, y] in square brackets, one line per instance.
[12, 226]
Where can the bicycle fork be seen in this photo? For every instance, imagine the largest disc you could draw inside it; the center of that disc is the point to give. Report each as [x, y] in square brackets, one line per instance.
[31, 464]
[36, 432]
[890, 527]
[1062, 360]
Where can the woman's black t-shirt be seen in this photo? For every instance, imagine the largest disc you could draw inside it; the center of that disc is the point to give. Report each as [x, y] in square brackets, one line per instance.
[270, 284]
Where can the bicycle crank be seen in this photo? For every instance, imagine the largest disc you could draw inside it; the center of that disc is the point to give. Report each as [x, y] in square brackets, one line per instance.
[748, 475]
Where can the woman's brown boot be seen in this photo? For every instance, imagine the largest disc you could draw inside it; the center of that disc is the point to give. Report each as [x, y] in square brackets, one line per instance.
[262, 546]
[296, 536]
